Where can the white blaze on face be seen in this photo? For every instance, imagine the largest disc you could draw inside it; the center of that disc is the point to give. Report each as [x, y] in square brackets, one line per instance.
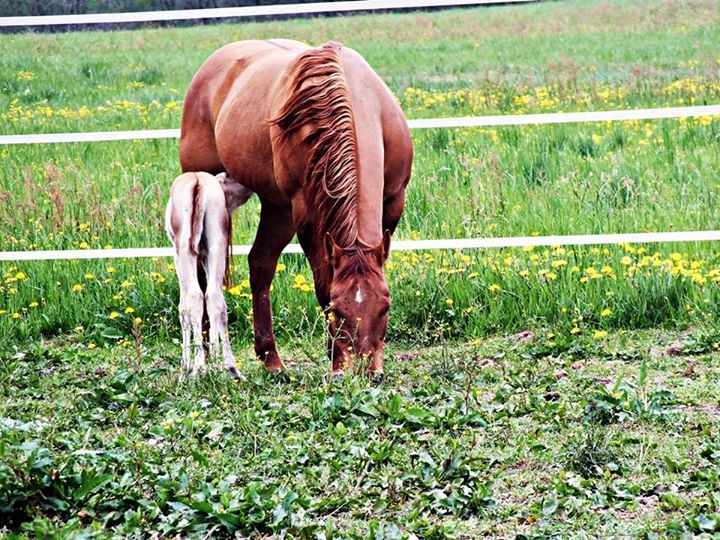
[359, 296]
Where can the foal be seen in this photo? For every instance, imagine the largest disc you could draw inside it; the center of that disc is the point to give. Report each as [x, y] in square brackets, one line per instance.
[198, 222]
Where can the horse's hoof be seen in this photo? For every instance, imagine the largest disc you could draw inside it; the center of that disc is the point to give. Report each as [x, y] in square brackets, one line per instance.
[377, 377]
[273, 363]
[336, 376]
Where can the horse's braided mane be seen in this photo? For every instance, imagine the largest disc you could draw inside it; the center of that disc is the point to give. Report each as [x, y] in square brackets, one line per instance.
[319, 99]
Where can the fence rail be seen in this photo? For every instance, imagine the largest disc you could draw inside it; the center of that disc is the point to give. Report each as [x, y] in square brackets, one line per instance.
[427, 123]
[397, 245]
[246, 11]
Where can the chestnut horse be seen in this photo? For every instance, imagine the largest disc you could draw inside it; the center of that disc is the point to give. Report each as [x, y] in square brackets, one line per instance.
[319, 137]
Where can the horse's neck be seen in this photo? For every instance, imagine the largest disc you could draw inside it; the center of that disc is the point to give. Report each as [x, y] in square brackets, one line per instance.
[371, 182]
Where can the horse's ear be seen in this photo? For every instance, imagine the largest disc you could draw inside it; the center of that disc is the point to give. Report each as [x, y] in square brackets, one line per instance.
[331, 249]
[382, 250]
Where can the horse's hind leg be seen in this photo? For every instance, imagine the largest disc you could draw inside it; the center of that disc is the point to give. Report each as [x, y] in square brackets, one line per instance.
[392, 210]
[273, 234]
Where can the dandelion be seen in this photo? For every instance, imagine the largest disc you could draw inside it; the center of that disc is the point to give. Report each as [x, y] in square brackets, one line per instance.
[575, 330]
[33, 304]
[91, 346]
[280, 267]
[235, 291]
[600, 334]
[129, 310]
[89, 276]
[84, 245]
[137, 320]
[449, 301]
[194, 414]
[114, 314]
[110, 270]
[606, 312]
[494, 288]
[15, 315]
[625, 261]
[20, 276]
[77, 288]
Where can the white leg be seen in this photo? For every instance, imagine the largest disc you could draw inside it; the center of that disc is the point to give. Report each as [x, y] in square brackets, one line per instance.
[216, 306]
[184, 315]
[191, 311]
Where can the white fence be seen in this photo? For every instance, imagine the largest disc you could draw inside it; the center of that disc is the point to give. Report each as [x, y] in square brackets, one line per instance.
[247, 11]
[328, 7]
[426, 123]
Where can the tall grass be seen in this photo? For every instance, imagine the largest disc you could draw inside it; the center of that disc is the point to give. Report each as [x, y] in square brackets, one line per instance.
[564, 179]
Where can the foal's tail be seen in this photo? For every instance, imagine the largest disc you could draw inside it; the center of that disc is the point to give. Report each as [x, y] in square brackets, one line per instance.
[197, 217]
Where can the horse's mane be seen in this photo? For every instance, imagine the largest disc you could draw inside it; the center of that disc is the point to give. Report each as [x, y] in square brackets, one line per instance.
[319, 99]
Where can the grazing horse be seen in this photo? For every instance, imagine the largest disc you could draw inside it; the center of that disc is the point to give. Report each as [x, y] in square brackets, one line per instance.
[321, 140]
[198, 223]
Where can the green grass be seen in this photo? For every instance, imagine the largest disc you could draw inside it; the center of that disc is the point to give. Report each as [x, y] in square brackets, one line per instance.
[583, 428]
[495, 439]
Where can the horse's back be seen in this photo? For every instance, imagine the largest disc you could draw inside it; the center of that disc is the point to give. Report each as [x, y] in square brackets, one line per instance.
[233, 84]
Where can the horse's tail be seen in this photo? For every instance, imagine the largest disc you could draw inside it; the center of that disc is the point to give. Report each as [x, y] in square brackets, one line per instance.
[197, 217]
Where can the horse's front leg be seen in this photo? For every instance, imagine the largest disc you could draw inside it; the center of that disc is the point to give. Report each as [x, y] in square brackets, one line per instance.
[273, 234]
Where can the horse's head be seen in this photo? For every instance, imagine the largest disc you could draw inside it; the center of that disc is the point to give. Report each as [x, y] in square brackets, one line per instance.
[359, 303]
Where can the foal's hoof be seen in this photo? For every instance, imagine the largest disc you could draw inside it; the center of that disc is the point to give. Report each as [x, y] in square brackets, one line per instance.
[234, 373]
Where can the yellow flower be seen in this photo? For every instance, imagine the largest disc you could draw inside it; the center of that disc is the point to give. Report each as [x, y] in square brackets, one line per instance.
[77, 288]
[449, 302]
[599, 334]
[129, 310]
[33, 304]
[494, 288]
[575, 330]
[235, 291]
[626, 261]
[91, 345]
[114, 315]
[194, 414]
[280, 267]
[606, 312]
[137, 320]
[84, 245]
[110, 269]
[89, 276]
[20, 276]
[15, 315]
[292, 379]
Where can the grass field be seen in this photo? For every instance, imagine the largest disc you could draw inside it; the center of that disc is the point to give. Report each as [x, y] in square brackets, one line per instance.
[592, 409]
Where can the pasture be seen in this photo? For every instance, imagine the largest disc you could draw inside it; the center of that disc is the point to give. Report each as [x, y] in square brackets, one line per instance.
[536, 392]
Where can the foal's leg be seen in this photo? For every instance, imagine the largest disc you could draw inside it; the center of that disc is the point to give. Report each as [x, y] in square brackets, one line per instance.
[184, 314]
[273, 234]
[191, 310]
[215, 301]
